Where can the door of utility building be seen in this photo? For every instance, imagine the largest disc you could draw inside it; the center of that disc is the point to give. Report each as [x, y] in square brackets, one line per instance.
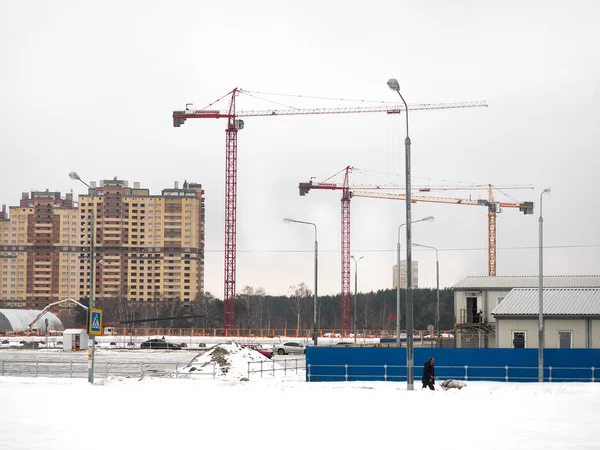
[472, 310]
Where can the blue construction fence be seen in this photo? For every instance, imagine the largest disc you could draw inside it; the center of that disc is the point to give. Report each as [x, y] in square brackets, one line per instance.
[489, 364]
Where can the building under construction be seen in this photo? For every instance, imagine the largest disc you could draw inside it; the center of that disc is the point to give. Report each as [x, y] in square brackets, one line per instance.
[403, 278]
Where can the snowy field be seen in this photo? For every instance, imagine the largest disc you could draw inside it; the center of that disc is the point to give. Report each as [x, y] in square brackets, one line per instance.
[291, 414]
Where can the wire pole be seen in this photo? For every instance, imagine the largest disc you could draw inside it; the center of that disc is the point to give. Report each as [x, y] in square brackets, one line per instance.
[91, 337]
[541, 294]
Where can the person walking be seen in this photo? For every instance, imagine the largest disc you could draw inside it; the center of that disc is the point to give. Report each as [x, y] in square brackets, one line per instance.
[429, 374]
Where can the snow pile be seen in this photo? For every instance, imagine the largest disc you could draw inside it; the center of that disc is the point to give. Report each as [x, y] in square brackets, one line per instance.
[226, 361]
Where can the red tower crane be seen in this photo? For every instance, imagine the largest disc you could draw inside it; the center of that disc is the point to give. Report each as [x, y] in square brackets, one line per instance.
[379, 192]
[345, 234]
[233, 125]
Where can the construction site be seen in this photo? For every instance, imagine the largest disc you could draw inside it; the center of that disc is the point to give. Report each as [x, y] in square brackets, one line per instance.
[115, 278]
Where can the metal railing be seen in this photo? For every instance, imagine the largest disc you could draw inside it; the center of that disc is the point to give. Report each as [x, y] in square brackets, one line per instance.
[349, 372]
[224, 332]
[79, 369]
[272, 367]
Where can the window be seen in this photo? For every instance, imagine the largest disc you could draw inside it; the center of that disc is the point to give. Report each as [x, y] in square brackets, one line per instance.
[500, 299]
[565, 339]
[519, 339]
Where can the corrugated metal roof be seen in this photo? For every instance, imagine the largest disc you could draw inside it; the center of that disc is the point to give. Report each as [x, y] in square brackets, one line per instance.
[557, 302]
[554, 281]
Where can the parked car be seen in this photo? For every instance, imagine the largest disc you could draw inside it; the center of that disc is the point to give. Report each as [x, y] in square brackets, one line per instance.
[289, 347]
[260, 349]
[161, 344]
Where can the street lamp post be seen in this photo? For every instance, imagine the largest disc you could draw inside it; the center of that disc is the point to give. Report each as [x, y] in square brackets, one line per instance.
[393, 85]
[315, 330]
[541, 295]
[398, 247]
[437, 282]
[92, 338]
[355, 290]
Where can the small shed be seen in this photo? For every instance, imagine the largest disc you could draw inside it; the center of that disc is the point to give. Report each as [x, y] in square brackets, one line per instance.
[75, 339]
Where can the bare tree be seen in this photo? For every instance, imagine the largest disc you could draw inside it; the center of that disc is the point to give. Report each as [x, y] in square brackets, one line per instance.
[212, 309]
[268, 311]
[259, 299]
[388, 317]
[368, 311]
[246, 299]
[300, 297]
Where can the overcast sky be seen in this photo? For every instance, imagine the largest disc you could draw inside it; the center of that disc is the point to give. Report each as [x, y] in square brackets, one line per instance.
[91, 86]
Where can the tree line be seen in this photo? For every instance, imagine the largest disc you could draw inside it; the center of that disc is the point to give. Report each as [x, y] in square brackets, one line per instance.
[255, 309]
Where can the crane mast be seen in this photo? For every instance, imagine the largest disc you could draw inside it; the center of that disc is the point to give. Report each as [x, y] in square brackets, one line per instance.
[491, 235]
[345, 215]
[230, 214]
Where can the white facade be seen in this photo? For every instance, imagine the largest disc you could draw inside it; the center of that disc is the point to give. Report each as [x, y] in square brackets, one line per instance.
[571, 318]
[582, 333]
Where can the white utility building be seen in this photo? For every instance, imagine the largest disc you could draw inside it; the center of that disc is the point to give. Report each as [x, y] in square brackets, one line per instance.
[571, 318]
[475, 298]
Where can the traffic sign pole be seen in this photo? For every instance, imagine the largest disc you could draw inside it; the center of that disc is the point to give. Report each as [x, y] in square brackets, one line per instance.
[95, 329]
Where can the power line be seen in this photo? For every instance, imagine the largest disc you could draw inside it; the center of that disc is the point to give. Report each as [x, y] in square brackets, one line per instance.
[394, 250]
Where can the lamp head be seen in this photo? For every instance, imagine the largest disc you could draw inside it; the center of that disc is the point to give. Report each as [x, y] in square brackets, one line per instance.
[74, 176]
[393, 84]
[428, 219]
[288, 220]
[546, 191]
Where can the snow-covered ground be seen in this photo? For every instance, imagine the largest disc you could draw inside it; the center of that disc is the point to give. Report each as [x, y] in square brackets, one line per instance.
[288, 414]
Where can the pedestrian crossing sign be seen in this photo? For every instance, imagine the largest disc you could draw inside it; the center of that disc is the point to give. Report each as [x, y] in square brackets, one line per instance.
[95, 322]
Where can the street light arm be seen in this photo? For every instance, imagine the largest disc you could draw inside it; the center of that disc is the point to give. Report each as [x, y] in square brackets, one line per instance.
[288, 220]
[424, 219]
[428, 246]
[545, 191]
[399, 228]
[405, 106]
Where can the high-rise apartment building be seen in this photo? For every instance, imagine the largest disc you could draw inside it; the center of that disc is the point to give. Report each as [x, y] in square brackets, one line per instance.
[403, 280]
[39, 250]
[147, 247]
